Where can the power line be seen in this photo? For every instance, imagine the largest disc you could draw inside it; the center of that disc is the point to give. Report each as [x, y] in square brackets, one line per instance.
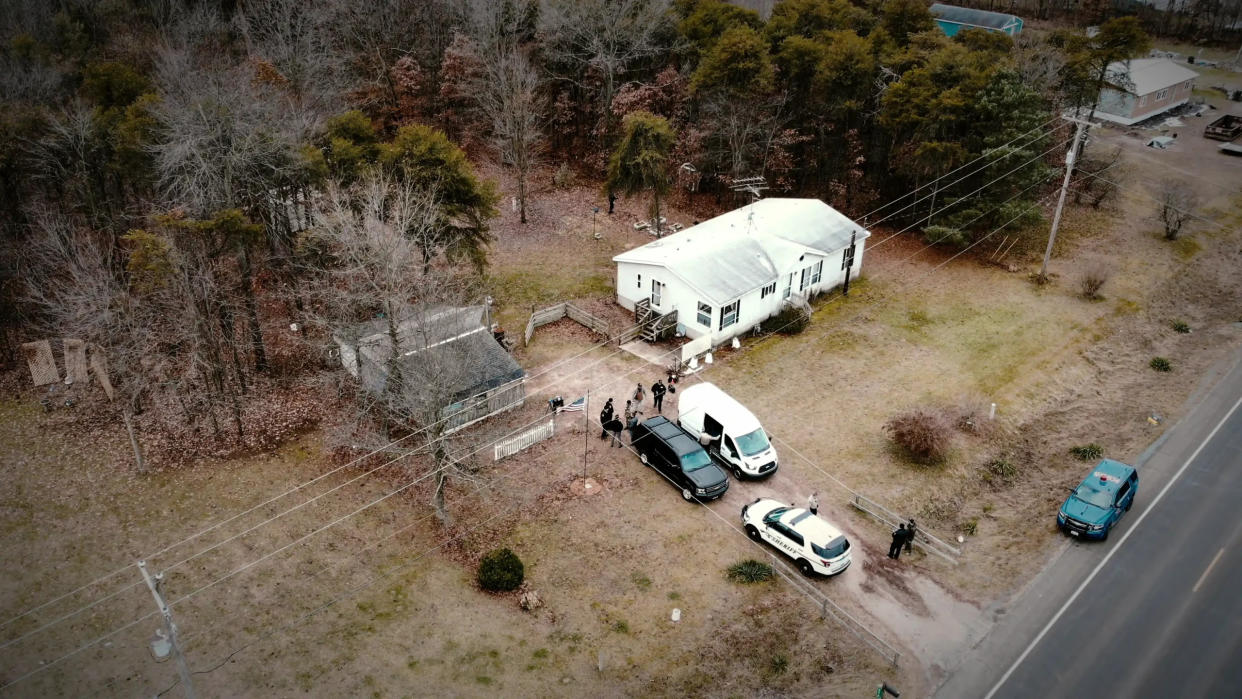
[972, 162]
[352, 480]
[134, 585]
[269, 555]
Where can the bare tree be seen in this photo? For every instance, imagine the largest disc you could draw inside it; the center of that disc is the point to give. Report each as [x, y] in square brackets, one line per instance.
[395, 319]
[1175, 201]
[74, 290]
[508, 94]
[603, 39]
[1093, 189]
[294, 40]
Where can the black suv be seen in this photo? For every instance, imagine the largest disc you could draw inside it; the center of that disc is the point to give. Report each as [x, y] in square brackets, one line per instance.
[666, 448]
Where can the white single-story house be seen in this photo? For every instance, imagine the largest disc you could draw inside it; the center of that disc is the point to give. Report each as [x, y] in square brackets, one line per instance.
[728, 274]
[1141, 88]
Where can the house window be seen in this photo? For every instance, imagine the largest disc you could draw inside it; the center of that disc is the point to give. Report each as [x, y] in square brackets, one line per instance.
[788, 286]
[806, 276]
[1143, 101]
[769, 289]
[817, 271]
[728, 314]
[657, 290]
[1162, 94]
[705, 315]
[640, 281]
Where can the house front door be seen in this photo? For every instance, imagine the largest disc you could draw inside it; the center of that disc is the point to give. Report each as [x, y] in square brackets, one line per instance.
[657, 290]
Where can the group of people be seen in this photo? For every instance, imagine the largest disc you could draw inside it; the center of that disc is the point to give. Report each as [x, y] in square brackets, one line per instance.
[903, 537]
[612, 423]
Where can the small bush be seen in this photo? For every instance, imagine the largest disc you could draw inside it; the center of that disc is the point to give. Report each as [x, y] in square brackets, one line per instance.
[1092, 280]
[501, 571]
[1087, 452]
[564, 177]
[1001, 469]
[925, 435]
[779, 664]
[792, 319]
[1181, 326]
[971, 526]
[946, 235]
[750, 571]
[1161, 364]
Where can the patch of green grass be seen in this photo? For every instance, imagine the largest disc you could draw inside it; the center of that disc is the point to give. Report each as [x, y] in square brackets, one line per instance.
[1123, 307]
[674, 596]
[1186, 248]
[483, 680]
[1087, 452]
[620, 626]
[750, 571]
[1180, 326]
[1160, 364]
[971, 526]
[642, 581]
[541, 653]
[516, 290]
[778, 664]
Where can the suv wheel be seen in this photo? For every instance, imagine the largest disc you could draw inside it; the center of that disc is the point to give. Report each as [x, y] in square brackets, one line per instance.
[737, 472]
[1104, 536]
[752, 532]
[805, 566]
[687, 495]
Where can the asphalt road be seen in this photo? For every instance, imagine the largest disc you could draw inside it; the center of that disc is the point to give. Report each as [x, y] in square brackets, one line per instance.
[1156, 611]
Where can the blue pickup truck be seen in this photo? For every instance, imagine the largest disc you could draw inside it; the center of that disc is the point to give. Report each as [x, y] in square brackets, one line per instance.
[1098, 502]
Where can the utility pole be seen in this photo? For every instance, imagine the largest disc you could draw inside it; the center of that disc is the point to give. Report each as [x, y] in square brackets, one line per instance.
[1069, 170]
[169, 627]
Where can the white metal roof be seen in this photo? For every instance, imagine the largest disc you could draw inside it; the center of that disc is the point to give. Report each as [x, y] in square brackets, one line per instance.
[732, 254]
[1148, 75]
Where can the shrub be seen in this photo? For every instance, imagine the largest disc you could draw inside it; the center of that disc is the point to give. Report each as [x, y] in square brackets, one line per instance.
[750, 571]
[1181, 326]
[1087, 452]
[1001, 469]
[946, 235]
[501, 571]
[971, 526]
[923, 434]
[1092, 280]
[1161, 364]
[792, 319]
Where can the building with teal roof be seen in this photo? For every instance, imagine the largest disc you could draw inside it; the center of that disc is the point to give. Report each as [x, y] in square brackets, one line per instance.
[952, 19]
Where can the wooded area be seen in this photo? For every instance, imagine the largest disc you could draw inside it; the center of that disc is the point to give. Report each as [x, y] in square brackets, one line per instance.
[181, 182]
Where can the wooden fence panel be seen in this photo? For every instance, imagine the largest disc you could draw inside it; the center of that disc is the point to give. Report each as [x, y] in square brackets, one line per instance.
[593, 323]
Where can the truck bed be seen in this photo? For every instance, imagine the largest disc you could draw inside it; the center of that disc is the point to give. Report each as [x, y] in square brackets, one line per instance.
[1226, 128]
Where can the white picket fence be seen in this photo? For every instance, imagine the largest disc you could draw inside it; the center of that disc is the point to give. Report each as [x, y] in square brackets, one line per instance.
[530, 437]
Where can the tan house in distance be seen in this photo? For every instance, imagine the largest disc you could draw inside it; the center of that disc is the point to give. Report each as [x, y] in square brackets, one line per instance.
[1141, 88]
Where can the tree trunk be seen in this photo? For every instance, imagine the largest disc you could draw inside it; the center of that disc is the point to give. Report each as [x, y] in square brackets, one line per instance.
[133, 441]
[437, 497]
[521, 183]
[252, 312]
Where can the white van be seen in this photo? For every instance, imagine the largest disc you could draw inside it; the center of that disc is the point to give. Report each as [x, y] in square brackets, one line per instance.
[730, 432]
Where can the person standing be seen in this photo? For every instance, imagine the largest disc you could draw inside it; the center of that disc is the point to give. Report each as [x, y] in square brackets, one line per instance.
[911, 530]
[605, 416]
[639, 395]
[612, 201]
[657, 396]
[899, 538]
[812, 503]
[629, 411]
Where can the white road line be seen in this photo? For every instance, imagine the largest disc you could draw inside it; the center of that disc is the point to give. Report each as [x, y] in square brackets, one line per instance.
[1209, 569]
[1150, 508]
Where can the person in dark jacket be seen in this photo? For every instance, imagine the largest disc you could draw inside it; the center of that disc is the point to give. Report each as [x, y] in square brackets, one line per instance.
[899, 539]
[911, 530]
[657, 396]
[605, 416]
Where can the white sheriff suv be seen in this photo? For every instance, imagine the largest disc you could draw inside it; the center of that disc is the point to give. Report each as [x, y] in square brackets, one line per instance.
[814, 545]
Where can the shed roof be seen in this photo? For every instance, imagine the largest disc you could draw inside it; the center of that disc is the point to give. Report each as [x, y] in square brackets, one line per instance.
[1148, 75]
[732, 254]
[977, 18]
[447, 353]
